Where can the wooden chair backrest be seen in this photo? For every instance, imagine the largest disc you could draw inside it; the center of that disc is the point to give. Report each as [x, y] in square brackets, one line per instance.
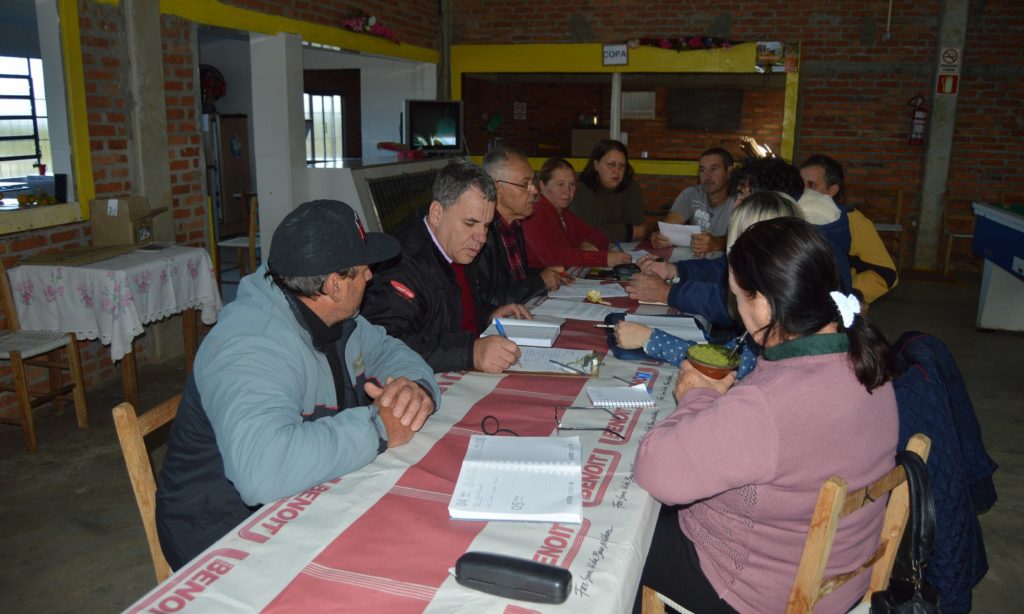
[878, 201]
[254, 228]
[835, 503]
[7, 300]
[131, 431]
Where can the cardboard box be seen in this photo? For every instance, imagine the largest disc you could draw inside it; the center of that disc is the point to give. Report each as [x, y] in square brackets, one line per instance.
[122, 221]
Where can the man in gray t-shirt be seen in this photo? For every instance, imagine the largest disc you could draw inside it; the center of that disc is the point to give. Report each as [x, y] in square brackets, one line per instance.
[706, 205]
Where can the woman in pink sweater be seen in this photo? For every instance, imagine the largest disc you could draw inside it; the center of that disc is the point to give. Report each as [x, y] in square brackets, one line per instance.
[556, 236]
[745, 461]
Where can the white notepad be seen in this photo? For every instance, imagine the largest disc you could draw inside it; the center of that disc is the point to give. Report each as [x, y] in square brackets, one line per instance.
[540, 332]
[620, 396]
[520, 478]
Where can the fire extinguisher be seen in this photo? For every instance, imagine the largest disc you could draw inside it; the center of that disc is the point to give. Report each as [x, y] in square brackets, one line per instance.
[919, 119]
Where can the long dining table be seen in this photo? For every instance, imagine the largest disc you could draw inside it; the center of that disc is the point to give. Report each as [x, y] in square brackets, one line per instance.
[380, 539]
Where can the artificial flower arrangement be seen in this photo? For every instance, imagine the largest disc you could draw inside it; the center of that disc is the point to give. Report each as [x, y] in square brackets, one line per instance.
[368, 24]
[683, 43]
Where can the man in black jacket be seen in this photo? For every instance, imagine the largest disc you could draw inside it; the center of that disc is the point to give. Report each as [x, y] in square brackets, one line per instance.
[502, 273]
[428, 298]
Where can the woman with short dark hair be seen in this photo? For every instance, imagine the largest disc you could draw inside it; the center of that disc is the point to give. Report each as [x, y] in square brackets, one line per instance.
[746, 460]
[608, 197]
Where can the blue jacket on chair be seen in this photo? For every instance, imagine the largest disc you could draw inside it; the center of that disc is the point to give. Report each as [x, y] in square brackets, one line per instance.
[933, 400]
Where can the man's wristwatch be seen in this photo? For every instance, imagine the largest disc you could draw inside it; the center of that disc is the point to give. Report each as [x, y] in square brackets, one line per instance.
[674, 280]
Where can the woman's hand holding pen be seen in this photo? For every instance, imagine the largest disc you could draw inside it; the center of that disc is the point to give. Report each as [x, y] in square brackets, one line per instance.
[630, 335]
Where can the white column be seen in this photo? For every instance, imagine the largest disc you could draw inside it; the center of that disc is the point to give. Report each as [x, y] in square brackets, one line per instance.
[615, 121]
[278, 128]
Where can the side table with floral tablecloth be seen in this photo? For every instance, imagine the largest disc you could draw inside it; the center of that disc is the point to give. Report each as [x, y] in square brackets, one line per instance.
[112, 300]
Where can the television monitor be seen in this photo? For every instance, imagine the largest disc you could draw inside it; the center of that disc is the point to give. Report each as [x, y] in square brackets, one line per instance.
[696, 109]
[434, 125]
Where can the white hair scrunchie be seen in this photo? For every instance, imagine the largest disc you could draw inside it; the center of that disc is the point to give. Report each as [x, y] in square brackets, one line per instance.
[848, 306]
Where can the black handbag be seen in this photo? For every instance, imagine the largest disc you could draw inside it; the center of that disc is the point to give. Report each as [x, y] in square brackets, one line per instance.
[908, 593]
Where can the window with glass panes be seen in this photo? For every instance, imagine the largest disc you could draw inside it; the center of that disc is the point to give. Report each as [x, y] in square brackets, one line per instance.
[24, 134]
[324, 128]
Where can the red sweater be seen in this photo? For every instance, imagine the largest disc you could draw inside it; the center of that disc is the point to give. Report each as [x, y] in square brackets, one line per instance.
[549, 243]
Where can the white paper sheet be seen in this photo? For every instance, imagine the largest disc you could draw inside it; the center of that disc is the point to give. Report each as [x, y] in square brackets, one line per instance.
[682, 327]
[678, 234]
[591, 312]
[539, 360]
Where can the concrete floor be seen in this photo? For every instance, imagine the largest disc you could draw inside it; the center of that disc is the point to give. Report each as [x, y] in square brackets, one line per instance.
[74, 543]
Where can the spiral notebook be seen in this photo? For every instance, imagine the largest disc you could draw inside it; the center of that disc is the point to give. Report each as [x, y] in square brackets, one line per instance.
[620, 396]
[520, 478]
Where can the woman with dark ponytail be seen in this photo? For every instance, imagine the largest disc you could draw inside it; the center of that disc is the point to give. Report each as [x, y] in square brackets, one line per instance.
[746, 460]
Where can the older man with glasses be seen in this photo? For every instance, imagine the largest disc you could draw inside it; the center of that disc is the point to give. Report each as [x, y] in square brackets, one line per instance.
[503, 275]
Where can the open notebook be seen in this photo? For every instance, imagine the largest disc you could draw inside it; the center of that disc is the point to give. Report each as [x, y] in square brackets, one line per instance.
[520, 478]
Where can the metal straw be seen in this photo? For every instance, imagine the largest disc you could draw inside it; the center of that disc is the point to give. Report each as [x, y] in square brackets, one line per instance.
[739, 342]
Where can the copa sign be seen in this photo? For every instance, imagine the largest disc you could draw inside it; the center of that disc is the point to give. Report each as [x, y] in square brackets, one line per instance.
[615, 55]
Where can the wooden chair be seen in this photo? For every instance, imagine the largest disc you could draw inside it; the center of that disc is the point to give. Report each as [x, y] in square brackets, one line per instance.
[131, 430]
[20, 347]
[246, 245]
[834, 504]
[875, 202]
[957, 224]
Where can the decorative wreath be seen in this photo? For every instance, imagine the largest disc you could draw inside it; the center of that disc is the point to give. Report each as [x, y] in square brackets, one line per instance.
[368, 24]
[683, 43]
[211, 83]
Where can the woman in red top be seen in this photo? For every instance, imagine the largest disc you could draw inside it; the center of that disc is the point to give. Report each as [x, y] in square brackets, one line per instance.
[556, 236]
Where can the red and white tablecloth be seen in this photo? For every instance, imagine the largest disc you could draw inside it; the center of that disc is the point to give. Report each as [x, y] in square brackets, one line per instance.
[111, 300]
[380, 539]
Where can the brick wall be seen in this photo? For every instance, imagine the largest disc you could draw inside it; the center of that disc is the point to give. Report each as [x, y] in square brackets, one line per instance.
[854, 86]
[188, 203]
[553, 109]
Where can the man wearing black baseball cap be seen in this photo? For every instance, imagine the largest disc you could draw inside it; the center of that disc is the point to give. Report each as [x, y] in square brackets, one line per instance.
[292, 387]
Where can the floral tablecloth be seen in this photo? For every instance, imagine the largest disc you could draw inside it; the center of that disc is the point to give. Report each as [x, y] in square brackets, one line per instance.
[113, 299]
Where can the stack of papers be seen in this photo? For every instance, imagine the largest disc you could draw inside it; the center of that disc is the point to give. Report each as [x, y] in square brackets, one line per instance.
[520, 478]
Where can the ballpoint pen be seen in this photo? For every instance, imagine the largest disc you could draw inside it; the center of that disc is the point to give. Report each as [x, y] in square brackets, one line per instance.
[618, 246]
[501, 329]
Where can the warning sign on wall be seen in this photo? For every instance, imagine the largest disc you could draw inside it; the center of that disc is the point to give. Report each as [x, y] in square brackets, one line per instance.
[949, 61]
[947, 84]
